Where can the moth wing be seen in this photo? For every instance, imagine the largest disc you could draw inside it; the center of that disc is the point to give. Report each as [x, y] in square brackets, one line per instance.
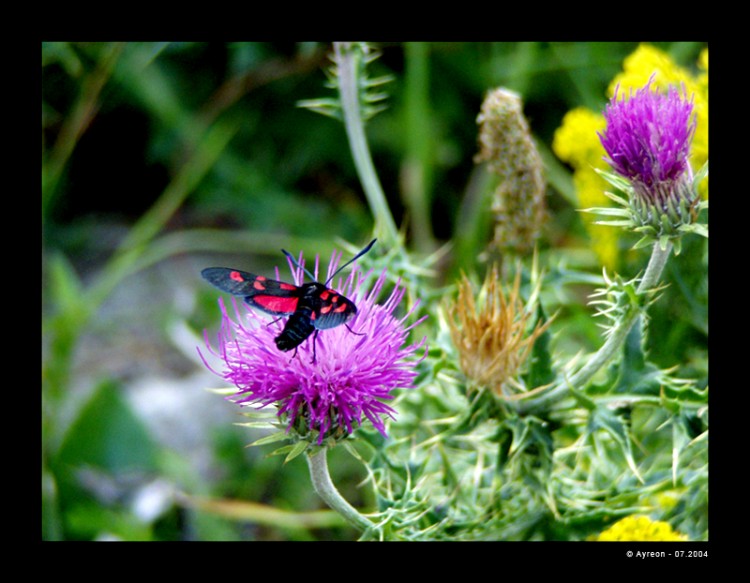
[332, 314]
[273, 304]
[232, 281]
[268, 295]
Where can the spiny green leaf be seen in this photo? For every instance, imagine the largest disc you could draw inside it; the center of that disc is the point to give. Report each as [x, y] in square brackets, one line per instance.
[297, 449]
[701, 174]
[615, 180]
[697, 228]
[540, 370]
[618, 199]
[627, 223]
[257, 413]
[612, 423]
[255, 424]
[528, 431]
[687, 428]
[222, 391]
[327, 106]
[274, 437]
[685, 395]
[504, 439]
[582, 398]
[283, 450]
[645, 241]
[607, 211]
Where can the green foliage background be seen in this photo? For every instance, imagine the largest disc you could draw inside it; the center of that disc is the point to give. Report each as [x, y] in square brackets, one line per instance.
[159, 159]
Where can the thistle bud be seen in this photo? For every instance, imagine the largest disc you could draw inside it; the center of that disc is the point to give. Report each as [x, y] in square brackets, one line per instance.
[489, 330]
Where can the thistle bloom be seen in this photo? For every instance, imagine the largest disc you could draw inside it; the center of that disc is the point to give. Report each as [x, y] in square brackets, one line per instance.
[647, 140]
[353, 374]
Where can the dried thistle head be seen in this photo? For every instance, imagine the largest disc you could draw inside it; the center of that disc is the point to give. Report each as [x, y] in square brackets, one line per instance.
[505, 144]
[489, 331]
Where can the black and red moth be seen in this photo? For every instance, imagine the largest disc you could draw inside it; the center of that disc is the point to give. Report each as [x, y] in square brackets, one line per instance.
[311, 307]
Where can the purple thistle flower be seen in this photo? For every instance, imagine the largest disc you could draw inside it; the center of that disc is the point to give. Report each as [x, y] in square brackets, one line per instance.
[648, 136]
[647, 140]
[352, 375]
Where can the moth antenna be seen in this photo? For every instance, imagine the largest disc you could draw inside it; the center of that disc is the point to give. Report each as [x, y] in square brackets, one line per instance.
[297, 265]
[352, 260]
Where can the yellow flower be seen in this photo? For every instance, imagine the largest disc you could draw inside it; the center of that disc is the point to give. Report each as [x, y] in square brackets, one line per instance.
[573, 142]
[643, 63]
[576, 143]
[639, 528]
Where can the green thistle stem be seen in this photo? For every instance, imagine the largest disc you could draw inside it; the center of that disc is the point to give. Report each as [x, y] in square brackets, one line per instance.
[614, 342]
[346, 60]
[321, 480]
[656, 265]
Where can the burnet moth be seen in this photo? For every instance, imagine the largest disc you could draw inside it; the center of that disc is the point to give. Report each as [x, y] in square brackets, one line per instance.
[311, 307]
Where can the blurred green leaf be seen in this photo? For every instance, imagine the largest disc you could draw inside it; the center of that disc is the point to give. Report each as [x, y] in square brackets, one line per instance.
[68, 312]
[108, 435]
[66, 291]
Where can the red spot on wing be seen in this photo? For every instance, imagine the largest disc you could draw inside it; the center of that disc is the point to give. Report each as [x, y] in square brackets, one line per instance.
[258, 285]
[324, 295]
[236, 276]
[325, 309]
[287, 286]
[340, 308]
[276, 304]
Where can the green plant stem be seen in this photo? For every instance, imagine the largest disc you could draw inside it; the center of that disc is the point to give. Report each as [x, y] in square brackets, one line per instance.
[346, 59]
[417, 169]
[614, 341]
[321, 480]
[656, 265]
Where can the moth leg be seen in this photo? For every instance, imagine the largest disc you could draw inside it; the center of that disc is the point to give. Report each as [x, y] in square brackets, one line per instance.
[353, 332]
[315, 338]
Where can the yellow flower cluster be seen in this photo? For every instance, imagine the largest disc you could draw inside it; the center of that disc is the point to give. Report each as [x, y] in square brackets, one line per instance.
[577, 143]
[639, 528]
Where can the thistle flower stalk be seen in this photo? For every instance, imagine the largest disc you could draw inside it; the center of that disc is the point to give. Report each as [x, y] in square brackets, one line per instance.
[321, 479]
[346, 56]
